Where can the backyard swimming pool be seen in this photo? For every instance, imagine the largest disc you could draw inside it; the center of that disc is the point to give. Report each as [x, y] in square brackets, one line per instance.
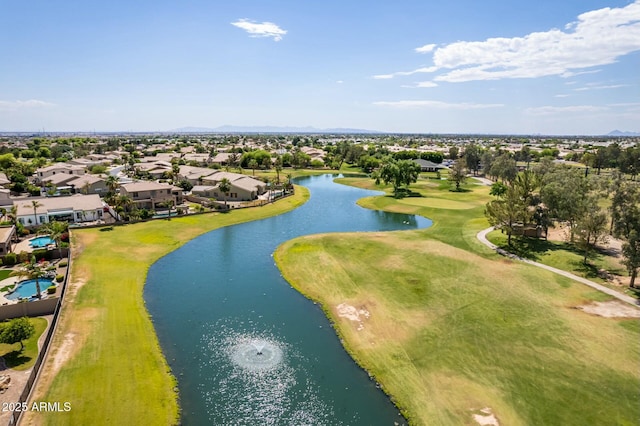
[26, 289]
[40, 242]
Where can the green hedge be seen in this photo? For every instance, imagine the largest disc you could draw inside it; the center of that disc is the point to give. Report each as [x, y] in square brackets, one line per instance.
[43, 254]
[10, 259]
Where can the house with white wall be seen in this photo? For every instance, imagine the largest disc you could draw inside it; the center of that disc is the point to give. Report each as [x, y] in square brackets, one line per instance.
[74, 209]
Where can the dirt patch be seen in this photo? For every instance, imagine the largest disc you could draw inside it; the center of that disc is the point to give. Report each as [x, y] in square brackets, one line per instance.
[611, 309]
[486, 418]
[353, 314]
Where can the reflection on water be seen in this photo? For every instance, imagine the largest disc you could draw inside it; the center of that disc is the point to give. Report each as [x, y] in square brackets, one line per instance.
[221, 293]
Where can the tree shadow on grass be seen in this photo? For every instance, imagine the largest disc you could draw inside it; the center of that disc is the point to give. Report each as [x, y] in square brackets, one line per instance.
[406, 193]
[586, 270]
[16, 358]
[532, 248]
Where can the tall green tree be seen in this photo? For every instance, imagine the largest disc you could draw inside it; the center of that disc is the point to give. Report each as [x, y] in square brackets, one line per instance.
[504, 167]
[458, 173]
[565, 194]
[253, 165]
[399, 173]
[507, 212]
[631, 255]
[453, 152]
[17, 331]
[591, 228]
[472, 157]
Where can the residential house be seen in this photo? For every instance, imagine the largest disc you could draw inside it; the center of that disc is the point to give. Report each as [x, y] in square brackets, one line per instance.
[151, 195]
[314, 153]
[155, 169]
[205, 191]
[74, 209]
[8, 236]
[4, 181]
[202, 159]
[429, 166]
[89, 184]
[221, 158]
[5, 198]
[195, 175]
[243, 188]
[59, 168]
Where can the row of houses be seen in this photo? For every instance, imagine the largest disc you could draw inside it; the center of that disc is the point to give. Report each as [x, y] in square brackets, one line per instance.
[151, 195]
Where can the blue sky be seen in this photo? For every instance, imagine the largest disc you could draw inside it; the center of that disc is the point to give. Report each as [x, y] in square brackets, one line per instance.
[472, 66]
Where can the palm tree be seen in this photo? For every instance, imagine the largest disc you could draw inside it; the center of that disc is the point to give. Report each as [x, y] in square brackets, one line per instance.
[225, 186]
[175, 171]
[112, 183]
[35, 204]
[278, 167]
[289, 177]
[55, 230]
[168, 204]
[32, 270]
[13, 214]
[123, 203]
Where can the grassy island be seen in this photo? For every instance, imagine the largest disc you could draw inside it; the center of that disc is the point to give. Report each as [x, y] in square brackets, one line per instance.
[457, 334]
[105, 358]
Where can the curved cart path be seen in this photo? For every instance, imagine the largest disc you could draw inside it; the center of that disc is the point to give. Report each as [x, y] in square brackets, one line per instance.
[482, 236]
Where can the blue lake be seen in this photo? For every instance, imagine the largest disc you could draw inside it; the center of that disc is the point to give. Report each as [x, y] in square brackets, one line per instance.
[221, 293]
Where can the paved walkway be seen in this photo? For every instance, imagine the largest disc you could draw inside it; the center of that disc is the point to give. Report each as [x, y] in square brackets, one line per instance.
[484, 181]
[482, 236]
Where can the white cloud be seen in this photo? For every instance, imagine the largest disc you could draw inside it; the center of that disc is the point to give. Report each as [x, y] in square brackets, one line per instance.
[339, 81]
[550, 110]
[593, 87]
[568, 74]
[598, 37]
[435, 105]
[561, 96]
[625, 104]
[31, 103]
[426, 48]
[416, 71]
[264, 29]
[420, 85]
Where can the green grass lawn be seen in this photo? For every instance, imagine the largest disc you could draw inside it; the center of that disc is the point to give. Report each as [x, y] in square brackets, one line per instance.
[455, 328]
[5, 273]
[565, 256]
[115, 372]
[22, 360]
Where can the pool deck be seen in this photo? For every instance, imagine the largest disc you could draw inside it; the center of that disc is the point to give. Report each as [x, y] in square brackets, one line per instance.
[24, 246]
[6, 282]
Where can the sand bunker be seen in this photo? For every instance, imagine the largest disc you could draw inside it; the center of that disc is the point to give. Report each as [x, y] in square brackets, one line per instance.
[611, 309]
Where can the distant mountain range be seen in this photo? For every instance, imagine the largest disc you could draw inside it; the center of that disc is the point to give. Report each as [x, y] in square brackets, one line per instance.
[619, 133]
[268, 129]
